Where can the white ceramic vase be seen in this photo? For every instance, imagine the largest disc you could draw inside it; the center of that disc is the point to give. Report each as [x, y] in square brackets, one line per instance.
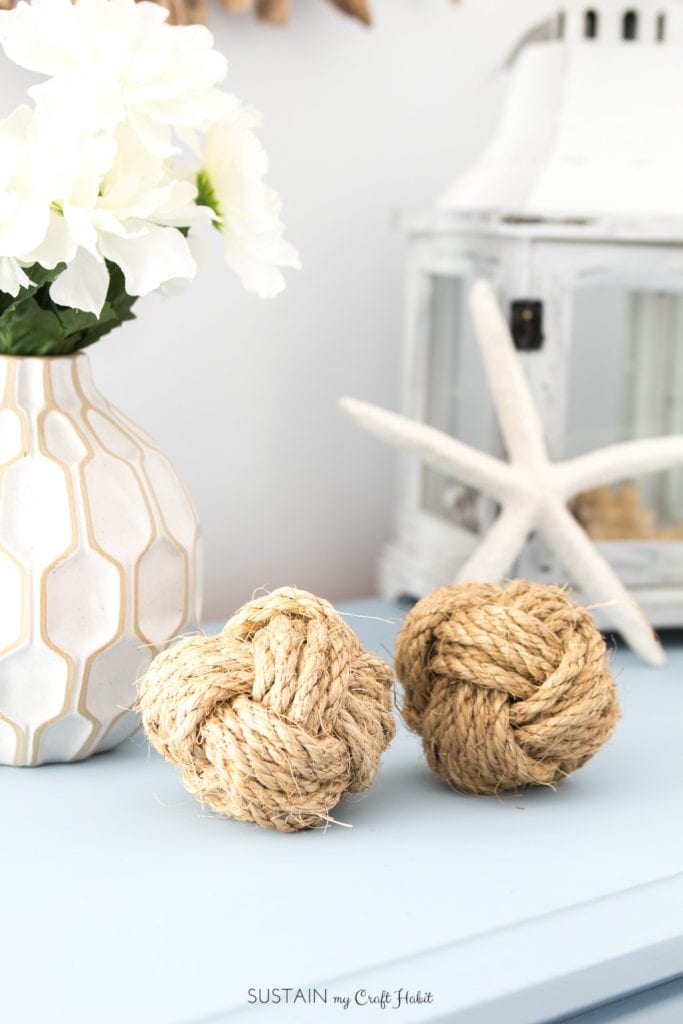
[99, 562]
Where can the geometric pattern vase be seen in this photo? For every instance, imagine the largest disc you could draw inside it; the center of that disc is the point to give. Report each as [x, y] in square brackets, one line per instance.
[99, 562]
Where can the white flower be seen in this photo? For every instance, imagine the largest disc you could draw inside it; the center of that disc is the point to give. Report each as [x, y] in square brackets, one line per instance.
[116, 202]
[234, 164]
[24, 204]
[92, 177]
[115, 59]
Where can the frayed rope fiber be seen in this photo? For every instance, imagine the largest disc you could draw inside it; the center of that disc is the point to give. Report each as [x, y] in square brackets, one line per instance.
[508, 686]
[277, 717]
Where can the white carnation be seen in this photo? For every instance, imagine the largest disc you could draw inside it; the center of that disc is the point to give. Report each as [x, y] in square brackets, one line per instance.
[109, 60]
[234, 164]
[116, 202]
[24, 202]
[92, 176]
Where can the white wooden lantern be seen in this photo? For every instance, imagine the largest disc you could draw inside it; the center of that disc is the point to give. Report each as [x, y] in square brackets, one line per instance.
[575, 213]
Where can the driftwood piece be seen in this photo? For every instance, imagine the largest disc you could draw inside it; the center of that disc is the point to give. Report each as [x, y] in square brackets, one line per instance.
[238, 6]
[356, 9]
[277, 12]
[197, 11]
[274, 11]
[194, 12]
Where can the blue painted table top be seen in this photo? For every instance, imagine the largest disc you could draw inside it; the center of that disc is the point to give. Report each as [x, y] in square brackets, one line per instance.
[123, 900]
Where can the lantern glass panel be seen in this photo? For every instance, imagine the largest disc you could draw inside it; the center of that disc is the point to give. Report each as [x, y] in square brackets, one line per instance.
[626, 382]
[456, 398]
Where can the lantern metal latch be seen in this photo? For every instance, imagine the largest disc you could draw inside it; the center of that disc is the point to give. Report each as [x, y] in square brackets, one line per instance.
[527, 324]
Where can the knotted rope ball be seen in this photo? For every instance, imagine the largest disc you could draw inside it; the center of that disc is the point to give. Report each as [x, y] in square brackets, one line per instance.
[508, 686]
[277, 717]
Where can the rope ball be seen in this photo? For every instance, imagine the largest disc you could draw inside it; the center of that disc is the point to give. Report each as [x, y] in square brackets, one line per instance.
[276, 718]
[508, 686]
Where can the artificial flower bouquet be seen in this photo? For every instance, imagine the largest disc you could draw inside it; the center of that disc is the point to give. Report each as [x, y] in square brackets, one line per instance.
[128, 149]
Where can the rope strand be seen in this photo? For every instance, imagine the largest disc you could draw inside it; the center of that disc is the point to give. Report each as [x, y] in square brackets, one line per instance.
[508, 686]
[275, 719]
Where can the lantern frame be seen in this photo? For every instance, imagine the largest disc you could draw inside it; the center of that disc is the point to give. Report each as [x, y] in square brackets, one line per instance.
[527, 259]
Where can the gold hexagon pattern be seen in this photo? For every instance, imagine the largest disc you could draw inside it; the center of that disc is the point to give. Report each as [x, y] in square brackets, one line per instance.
[99, 562]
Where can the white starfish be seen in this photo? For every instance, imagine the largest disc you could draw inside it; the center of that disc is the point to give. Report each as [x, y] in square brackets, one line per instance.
[533, 492]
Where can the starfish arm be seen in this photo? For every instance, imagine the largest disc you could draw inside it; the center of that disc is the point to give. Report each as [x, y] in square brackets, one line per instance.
[598, 581]
[619, 462]
[498, 550]
[449, 456]
[518, 416]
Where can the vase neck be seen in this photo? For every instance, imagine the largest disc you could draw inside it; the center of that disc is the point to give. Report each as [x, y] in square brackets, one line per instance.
[36, 383]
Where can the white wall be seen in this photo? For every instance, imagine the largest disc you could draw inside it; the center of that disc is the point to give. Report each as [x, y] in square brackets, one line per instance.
[242, 393]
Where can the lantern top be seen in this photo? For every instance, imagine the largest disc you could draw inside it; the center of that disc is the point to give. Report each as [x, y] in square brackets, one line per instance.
[591, 123]
[619, 21]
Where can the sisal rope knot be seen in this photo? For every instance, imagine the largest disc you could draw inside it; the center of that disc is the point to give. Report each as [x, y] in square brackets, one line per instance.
[508, 686]
[277, 717]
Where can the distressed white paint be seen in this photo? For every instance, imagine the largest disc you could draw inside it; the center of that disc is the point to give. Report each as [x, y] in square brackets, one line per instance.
[588, 129]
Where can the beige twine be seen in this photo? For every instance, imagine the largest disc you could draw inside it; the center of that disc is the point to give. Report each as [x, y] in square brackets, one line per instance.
[508, 686]
[275, 719]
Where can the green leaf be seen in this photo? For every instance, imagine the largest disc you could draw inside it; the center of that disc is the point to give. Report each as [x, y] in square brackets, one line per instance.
[38, 277]
[32, 324]
[29, 330]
